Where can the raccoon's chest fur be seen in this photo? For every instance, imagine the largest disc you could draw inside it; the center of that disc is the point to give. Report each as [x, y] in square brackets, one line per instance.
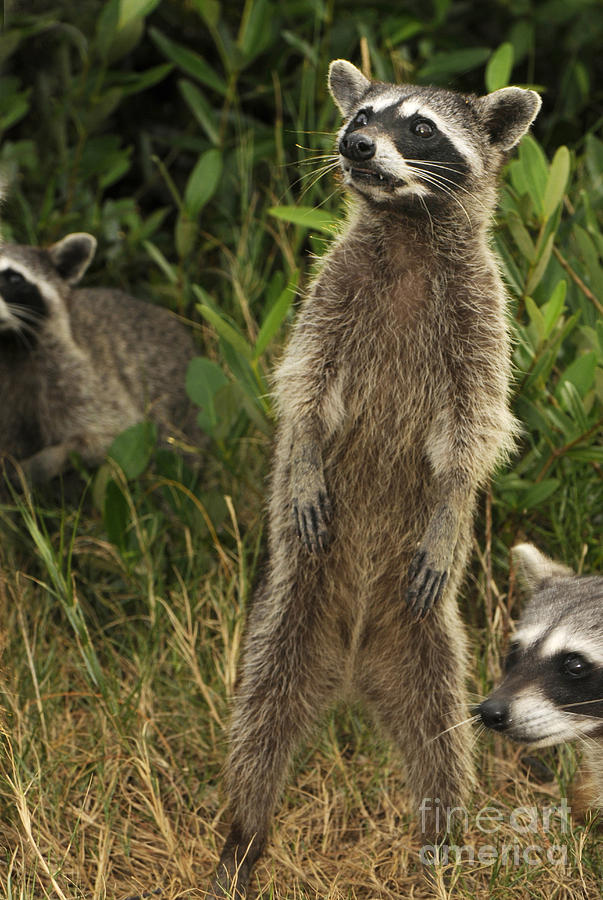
[19, 394]
[388, 357]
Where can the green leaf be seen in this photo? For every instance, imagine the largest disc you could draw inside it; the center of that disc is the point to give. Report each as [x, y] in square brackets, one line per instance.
[541, 370]
[203, 181]
[521, 236]
[134, 9]
[594, 162]
[133, 448]
[141, 81]
[19, 108]
[250, 379]
[306, 216]
[540, 492]
[553, 308]
[106, 27]
[116, 515]
[185, 235]
[580, 373]
[204, 379]
[442, 65]
[275, 317]
[536, 320]
[511, 272]
[540, 268]
[535, 167]
[157, 256]
[499, 68]
[226, 331]
[189, 61]
[590, 255]
[586, 454]
[564, 423]
[257, 24]
[556, 182]
[572, 403]
[201, 109]
[518, 177]
[209, 11]
[533, 417]
[406, 31]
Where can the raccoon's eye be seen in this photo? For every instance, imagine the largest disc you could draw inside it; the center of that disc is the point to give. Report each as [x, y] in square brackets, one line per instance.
[361, 119]
[13, 277]
[576, 666]
[423, 128]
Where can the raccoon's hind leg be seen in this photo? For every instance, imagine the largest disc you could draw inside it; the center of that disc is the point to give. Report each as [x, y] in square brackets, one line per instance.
[412, 677]
[291, 673]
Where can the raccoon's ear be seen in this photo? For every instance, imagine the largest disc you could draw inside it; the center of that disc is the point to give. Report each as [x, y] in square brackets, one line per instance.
[72, 255]
[347, 85]
[534, 567]
[507, 114]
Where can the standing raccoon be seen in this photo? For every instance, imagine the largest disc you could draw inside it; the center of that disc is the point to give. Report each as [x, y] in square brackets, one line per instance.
[552, 690]
[79, 366]
[393, 409]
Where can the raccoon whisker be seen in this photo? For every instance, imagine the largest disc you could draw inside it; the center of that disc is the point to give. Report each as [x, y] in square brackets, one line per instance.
[584, 715]
[328, 134]
[452, 727]
[442, 178]
[324, 171]
[476, 696]
[311, 149]
[321, 170]
[327, 198]
[319, 173]
[23, 324]
[322, 162]
[24, 312]
[430, 178]
[306, 162]
[586, 740]
[476, 734]
[583, 703]
[313, 159]
[438, 165]
[439, 181]
[429, 216]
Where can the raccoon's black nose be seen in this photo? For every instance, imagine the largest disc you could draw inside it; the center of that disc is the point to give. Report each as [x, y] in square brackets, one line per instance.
[494, 713]
[357, 146]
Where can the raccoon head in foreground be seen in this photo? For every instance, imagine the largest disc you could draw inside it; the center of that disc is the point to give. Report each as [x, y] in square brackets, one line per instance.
[415, 147]
[552, 690]
[35, 285]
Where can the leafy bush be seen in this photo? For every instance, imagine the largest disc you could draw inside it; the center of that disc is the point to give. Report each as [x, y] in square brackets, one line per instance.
[177, 133]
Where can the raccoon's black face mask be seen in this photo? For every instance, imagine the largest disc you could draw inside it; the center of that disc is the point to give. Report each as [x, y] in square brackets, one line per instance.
[553, 685]
[405, 143]
[22, 310]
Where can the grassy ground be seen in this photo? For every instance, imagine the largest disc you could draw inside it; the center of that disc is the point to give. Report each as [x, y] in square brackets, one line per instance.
[116, 680]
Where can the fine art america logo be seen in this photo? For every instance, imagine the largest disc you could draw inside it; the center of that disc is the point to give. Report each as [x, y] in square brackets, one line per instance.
[526, 826]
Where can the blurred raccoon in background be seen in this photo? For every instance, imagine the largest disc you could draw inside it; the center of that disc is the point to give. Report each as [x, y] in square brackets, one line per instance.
[77, 367]
[552, 690]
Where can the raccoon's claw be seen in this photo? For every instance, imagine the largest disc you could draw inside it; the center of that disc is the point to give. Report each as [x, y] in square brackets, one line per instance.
[425, 585]
[311, 522]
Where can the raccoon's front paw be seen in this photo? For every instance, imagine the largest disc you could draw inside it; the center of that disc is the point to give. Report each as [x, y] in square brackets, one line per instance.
[312, 515]
[426, 582]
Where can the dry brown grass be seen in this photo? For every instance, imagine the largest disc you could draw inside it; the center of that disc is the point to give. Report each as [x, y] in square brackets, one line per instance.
[111, 788]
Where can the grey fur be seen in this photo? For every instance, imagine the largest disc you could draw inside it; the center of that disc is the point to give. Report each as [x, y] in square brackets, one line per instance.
[539, 701]
[392, 397]
[95, 362]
